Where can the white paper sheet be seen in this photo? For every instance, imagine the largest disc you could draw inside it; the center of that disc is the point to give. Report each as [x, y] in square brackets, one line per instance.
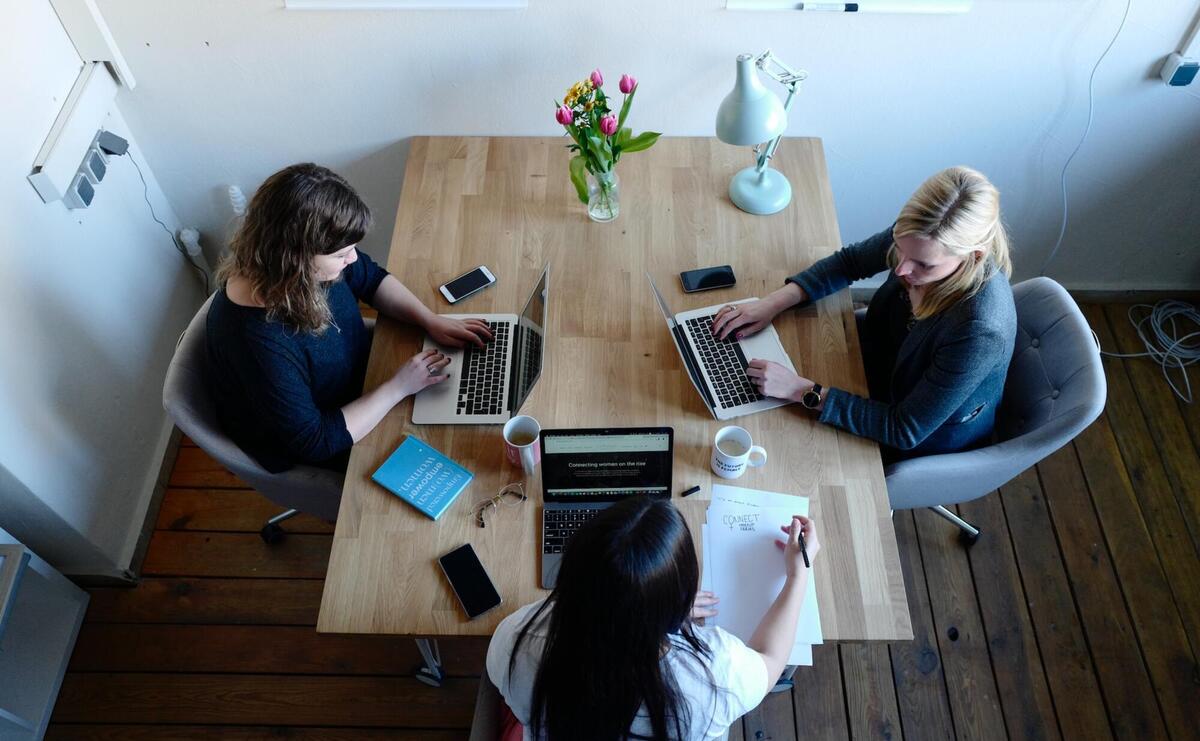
[743, 565]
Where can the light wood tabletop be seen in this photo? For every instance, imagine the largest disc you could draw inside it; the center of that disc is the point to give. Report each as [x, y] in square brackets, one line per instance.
[610, 362]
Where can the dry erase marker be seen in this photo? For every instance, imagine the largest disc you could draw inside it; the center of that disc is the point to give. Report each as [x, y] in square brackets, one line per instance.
[835, 7]
[690, 491]
[803, 548]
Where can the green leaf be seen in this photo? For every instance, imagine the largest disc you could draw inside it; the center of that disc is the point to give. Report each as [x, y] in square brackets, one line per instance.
[644, 140]
[578, 178]
[623, 136]
[625, 107]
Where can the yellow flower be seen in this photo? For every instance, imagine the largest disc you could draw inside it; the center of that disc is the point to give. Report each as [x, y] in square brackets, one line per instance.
[588, 105]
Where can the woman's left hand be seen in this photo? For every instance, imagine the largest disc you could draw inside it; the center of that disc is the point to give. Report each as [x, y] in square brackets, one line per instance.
[450, 332]
[705, 605]
[772, 379]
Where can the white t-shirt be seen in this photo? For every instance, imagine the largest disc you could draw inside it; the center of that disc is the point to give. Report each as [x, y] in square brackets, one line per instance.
[739, 672]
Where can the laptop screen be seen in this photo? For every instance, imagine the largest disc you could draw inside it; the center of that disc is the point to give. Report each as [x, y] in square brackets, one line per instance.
[528, 348]
[606, 464]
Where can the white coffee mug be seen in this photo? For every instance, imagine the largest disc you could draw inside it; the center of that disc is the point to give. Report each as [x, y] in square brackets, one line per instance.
[733, 450]
[521, 443]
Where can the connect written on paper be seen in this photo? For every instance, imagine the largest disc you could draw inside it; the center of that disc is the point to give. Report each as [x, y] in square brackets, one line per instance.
[743, 566]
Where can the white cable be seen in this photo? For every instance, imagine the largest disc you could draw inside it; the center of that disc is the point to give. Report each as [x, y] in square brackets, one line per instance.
[1086, 130]
[1162, 336]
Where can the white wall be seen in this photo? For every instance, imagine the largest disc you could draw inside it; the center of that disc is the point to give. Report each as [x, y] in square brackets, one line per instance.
[231, 90]
[92, 302]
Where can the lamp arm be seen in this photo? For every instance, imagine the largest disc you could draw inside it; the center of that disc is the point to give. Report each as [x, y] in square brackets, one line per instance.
[765, 156]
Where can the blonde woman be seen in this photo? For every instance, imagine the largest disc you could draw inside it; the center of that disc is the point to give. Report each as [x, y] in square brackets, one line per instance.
[287, 347]
[938, 335]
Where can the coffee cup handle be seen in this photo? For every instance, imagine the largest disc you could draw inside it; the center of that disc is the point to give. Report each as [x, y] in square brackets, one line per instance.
[762, 456]
[527, 461]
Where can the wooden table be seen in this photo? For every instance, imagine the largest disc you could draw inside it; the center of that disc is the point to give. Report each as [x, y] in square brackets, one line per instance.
[610, 362]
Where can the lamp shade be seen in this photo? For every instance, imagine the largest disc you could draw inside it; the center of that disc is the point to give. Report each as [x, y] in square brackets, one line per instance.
[750, 114]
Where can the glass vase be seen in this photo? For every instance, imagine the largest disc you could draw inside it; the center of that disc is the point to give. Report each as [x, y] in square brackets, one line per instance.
[604, 201]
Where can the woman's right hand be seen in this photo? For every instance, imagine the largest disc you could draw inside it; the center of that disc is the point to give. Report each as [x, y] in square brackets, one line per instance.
[792, 556]
[421, 371]
[743, 319]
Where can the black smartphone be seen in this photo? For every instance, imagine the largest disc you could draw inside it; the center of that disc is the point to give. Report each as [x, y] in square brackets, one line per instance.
[470, 581]
[706, 279]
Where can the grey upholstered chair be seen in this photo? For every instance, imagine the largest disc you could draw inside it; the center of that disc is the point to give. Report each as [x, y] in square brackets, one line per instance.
[315, 491]
[1055, 388]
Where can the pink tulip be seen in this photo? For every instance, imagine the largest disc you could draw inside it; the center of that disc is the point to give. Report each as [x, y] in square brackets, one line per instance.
[627, 84]
[608, 125]
[597, 78]
[564, 115]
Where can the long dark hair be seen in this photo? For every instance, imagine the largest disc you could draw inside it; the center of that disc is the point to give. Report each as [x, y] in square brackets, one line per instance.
[298, 213]
[627, 582]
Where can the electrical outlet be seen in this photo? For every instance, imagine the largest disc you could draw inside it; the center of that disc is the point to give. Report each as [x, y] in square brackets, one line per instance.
[81, 192]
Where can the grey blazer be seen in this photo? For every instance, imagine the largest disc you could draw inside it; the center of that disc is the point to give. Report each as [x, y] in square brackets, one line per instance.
[941, 395]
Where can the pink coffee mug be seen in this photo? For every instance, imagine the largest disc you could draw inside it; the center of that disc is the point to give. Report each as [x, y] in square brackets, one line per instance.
[521, 443]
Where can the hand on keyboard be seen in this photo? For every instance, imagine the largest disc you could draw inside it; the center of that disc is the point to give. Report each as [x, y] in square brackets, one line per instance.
[743, 319]
[422, 370]
[450, 332]
[773, 379]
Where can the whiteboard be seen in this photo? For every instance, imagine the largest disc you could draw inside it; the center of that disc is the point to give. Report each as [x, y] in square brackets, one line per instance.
[862, 6]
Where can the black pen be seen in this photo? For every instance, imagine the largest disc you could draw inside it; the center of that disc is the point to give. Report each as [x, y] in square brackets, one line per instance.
[803, 549]
[690, 491]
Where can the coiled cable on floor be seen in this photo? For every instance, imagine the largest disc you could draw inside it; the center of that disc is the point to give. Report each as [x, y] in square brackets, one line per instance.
[1163, 330]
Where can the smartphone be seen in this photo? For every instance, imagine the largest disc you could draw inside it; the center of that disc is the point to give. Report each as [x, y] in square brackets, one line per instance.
[706, 279]
[468, 283]
[470, 581]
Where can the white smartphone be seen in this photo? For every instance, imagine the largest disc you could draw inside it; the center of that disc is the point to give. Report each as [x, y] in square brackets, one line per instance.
[467, 284]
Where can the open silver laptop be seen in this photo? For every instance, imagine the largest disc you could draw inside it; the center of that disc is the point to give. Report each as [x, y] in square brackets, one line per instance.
[718, 367]
[488, 385]
[585, 471]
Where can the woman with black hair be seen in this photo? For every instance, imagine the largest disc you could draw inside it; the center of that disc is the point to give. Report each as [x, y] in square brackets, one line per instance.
[615, 651]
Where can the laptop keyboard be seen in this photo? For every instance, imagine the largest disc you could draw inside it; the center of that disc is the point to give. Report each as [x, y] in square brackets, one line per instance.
[725, 364]
[481, 390]
[558, 525]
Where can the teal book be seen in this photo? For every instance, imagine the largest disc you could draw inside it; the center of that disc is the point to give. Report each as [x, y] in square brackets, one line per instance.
[423, 477]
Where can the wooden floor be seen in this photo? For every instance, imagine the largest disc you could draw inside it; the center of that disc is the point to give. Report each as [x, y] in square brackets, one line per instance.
[1076, 616]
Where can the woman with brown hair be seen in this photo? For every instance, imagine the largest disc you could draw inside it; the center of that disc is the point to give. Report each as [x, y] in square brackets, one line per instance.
[287, 347]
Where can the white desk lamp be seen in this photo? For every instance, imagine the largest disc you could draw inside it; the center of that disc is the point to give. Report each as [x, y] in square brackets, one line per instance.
[752, 115]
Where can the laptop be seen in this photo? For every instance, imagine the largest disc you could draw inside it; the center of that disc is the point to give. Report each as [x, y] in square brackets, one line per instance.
[488, 384]
[718, 367]
[588, 470]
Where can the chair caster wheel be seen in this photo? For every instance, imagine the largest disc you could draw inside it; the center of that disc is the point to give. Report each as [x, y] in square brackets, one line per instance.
[272, 534]
[431, 677]
[968, 539]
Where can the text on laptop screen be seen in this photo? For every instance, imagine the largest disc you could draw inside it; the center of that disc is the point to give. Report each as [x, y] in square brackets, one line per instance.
[583, 464]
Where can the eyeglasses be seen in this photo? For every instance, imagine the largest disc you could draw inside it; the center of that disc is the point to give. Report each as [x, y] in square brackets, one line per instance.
[509, 496]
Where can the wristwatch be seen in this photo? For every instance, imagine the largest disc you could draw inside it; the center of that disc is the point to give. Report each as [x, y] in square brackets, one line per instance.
[812, 398]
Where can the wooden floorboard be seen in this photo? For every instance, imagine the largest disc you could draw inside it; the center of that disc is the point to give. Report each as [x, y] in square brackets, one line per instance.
[917, 665]
[970, 685]
[1069, 671]
[269, 699]
[1076, 615]
[1140, 456]
[93, 732]
[1164, 422]
[1112, 642]
[1016, 661]
[229, 510]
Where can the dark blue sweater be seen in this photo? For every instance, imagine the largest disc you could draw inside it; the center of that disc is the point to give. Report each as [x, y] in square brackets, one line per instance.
[934, 388]
[278, 390]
